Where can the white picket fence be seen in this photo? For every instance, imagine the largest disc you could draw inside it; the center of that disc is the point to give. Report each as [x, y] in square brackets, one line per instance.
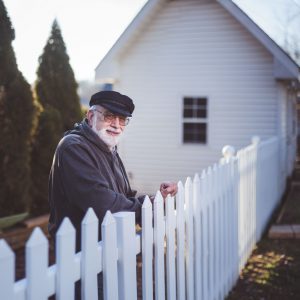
[193, 248]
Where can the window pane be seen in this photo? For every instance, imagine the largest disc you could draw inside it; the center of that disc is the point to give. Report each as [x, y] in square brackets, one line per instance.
[188, 101]
[201, 101]
[201, 113]
[188, 113]
[194, 132]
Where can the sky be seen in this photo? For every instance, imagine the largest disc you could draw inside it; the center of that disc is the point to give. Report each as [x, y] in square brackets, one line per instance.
[91, 27]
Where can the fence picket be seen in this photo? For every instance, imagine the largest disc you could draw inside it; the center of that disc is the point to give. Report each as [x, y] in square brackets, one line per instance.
[180, 258]
[189, 239]
[127, 258]
[210, 231]
[159, 234]
[147, 249]
[90, 256]
[109, 257]
[36, 261]
[205, 235]
[197, 236]
[170, 257]
[65, 251]
[7, 274]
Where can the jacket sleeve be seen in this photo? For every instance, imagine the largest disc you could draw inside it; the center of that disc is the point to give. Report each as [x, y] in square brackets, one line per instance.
[86, 187]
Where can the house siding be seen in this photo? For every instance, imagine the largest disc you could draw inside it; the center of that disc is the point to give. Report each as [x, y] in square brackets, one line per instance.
[193, 49]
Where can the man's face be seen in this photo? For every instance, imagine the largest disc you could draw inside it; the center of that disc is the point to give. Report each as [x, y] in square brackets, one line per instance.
[106, 125]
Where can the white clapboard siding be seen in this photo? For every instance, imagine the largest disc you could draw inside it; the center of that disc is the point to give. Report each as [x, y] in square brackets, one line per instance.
[200, 244]
[193, 48]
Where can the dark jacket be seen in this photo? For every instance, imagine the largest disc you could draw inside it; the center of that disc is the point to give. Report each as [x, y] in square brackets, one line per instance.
[85, 173]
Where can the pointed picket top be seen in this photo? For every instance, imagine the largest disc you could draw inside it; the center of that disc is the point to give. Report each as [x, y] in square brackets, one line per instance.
[203, 174]
[147, 203]
[5, 250]
[209, 170]
[188, 182]
[36, 238]
[180, 186]
[90, 217]
[158, 197]
[65, 227]
[196, 178]
[108, 219]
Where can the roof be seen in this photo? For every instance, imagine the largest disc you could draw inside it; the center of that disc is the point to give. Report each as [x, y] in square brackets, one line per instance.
[284, 66]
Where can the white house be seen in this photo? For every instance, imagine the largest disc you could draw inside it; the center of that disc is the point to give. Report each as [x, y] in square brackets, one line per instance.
[202, 75]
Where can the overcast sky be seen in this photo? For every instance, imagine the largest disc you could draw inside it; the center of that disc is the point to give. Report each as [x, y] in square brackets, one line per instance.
[91, 27]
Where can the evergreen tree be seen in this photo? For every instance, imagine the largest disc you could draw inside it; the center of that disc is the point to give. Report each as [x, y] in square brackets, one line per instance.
[56, 85]
[17, 117]
[56, 91]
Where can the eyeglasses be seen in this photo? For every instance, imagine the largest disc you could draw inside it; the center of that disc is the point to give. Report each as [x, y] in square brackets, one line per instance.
[109, 117]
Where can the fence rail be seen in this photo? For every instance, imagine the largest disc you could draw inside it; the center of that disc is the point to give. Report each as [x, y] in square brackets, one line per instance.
[193, 247]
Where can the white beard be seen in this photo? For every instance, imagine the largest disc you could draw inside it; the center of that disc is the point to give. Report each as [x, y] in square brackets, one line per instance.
[110, 141]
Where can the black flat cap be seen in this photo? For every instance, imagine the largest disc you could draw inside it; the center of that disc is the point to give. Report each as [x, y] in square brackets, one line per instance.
[114, 102]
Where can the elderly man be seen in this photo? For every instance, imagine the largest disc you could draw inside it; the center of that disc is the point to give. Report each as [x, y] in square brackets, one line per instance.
[87, 170]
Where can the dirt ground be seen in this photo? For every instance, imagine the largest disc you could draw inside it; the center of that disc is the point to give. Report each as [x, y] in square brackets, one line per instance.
[272, 272]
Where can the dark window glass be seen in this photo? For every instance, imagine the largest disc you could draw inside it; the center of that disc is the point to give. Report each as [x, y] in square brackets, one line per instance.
[201, 113]
[194, 132]
[201, 101]
[188, 113]
[188, 101]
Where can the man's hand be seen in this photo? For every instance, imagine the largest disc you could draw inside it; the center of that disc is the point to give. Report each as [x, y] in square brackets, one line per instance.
[167, 188]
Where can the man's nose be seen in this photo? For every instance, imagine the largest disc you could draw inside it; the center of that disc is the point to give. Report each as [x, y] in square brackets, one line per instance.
[116, 122]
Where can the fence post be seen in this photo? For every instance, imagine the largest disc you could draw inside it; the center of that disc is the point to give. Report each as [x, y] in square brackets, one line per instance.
[65, 251]
[170, 253]
[198, 236]
[189, 239]
[90, 258]
[7, 273]
[180, 242]
[147, 249]
[159, 234]
[127, 258]
[205, 234]
[109, 257]
[228, 152]
[36, 260]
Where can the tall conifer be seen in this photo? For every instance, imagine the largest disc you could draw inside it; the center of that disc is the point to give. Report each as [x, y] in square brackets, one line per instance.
[56, 91]
[56, 85]
[17, 112]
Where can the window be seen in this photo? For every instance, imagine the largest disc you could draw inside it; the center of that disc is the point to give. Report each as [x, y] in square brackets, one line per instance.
[194, 120]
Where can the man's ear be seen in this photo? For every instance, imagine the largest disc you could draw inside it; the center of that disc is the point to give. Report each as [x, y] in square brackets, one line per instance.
[90, 114]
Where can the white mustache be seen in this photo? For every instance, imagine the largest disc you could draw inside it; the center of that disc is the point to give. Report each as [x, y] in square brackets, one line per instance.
[114, 131]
